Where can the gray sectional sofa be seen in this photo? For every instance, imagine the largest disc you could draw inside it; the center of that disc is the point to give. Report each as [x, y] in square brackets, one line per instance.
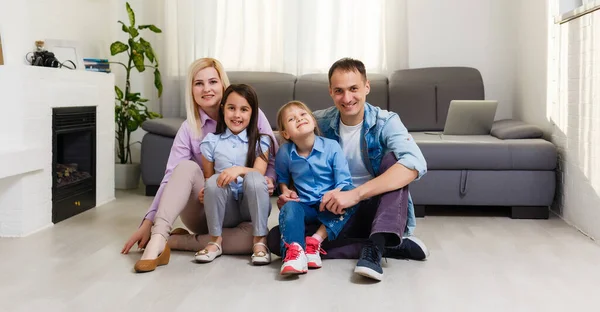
[513, 166]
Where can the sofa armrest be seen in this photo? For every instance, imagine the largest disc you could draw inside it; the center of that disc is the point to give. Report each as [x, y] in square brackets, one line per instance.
[515, 129]
[167, 127]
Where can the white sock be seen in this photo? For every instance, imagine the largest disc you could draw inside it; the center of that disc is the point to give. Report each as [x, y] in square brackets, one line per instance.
[318, 237]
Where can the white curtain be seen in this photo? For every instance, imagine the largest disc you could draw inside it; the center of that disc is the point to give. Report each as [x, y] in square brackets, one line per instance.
[290, 36]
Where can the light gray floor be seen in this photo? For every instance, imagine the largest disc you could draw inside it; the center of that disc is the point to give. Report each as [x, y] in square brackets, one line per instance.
[481, 263]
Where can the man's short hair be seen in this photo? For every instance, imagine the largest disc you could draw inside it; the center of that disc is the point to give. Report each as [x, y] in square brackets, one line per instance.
[348, 65]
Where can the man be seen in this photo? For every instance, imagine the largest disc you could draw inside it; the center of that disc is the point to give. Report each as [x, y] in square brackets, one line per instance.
[383, 160]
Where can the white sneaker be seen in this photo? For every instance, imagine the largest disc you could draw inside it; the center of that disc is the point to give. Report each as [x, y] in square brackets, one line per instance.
[313, 253]
[295, 261]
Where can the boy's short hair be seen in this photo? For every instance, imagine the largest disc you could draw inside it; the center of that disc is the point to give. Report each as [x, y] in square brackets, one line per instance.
[301, 105]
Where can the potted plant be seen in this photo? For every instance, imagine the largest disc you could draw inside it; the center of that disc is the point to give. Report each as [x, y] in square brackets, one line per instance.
[130, 108]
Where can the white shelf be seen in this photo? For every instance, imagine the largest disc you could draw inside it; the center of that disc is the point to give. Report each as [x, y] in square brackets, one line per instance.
[20, 161]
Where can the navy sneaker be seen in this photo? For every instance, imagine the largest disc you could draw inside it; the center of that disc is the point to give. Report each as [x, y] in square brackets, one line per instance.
[369, 263]
[410, 248]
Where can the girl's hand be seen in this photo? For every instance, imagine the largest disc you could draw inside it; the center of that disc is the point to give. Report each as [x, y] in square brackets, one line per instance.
[229, 175]
[201, 196]
[285, 197]
[270, 185]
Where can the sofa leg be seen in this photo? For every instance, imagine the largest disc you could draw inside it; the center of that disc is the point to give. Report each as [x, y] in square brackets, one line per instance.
[420, 211]
[151, 190]
[530, 212]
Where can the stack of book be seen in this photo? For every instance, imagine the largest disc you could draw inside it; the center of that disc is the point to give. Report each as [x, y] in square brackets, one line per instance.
[98, 65]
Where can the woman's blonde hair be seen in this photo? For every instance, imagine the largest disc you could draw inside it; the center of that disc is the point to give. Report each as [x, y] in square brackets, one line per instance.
[301, 105]
[192, 113]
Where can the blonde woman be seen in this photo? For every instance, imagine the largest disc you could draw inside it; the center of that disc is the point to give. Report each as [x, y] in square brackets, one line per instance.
[181, 193]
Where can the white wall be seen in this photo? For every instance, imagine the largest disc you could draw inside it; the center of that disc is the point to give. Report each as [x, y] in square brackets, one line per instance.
[574, 109]
[25, 21]
[532, 63]
[474, 33]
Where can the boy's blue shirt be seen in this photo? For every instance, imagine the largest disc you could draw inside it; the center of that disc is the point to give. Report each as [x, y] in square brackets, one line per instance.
[325, 169]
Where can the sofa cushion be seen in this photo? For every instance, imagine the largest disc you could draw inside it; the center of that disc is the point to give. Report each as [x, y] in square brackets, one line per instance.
[515, 129]
[273, 90]
[313, 90]
[422, 96]
[484, 152]
[167, 127]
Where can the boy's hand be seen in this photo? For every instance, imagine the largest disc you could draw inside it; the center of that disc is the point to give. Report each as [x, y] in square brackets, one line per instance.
[285, 197]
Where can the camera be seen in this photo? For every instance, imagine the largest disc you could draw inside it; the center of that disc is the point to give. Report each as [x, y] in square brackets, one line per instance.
[44, 58]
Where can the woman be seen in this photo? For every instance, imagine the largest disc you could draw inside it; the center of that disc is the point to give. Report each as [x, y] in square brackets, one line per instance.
[181, 191]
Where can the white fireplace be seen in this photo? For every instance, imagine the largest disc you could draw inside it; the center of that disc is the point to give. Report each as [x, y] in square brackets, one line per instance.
[27, 96]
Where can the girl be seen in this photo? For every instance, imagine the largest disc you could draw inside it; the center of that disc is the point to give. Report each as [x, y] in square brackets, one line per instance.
[234, 161]
[183, 183]
[316, 165]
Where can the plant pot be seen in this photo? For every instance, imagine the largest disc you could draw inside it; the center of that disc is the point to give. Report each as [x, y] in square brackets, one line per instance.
[127, 176]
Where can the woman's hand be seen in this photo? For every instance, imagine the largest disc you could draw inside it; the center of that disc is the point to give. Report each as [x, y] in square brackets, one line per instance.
[201, 196]
[229, 175]
[141, 237]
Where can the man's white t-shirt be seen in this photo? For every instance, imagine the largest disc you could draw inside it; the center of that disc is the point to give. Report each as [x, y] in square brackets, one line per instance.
[350, 142]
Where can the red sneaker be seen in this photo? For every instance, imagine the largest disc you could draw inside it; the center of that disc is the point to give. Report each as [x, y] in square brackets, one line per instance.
[313, 253]
[295, 260]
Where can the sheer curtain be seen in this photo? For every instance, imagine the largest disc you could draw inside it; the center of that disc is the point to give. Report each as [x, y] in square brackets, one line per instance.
[290, 36]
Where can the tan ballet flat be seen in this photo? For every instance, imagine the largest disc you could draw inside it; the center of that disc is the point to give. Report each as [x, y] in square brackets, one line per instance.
[151, 264]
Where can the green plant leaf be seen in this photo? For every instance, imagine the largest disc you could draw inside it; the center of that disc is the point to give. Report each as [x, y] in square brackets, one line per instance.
[151, 27]
[118, 47]
[119, 93]
[158, 82]
[134, 97]
[132, 125]
[137, 47]
[130, 14]
[147, 49]
[138, 61]
[124, 27]
[153, 115]
[142, 100]
[133, 32]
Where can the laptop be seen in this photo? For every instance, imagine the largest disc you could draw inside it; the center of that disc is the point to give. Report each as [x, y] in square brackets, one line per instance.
[470, 117]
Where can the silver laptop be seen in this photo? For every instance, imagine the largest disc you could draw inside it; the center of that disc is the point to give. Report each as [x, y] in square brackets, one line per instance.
[473, 117]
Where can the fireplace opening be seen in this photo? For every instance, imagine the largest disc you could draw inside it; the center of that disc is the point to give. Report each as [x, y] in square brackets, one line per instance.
[73, 161]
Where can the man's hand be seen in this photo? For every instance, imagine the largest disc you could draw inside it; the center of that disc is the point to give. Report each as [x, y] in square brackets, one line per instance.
[228, 175]
[201, 196]
[336, 200]
[141, 237]
[270, 185]
[285, 197]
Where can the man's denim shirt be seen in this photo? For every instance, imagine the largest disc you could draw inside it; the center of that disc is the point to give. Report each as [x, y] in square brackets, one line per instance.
[382, 132]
